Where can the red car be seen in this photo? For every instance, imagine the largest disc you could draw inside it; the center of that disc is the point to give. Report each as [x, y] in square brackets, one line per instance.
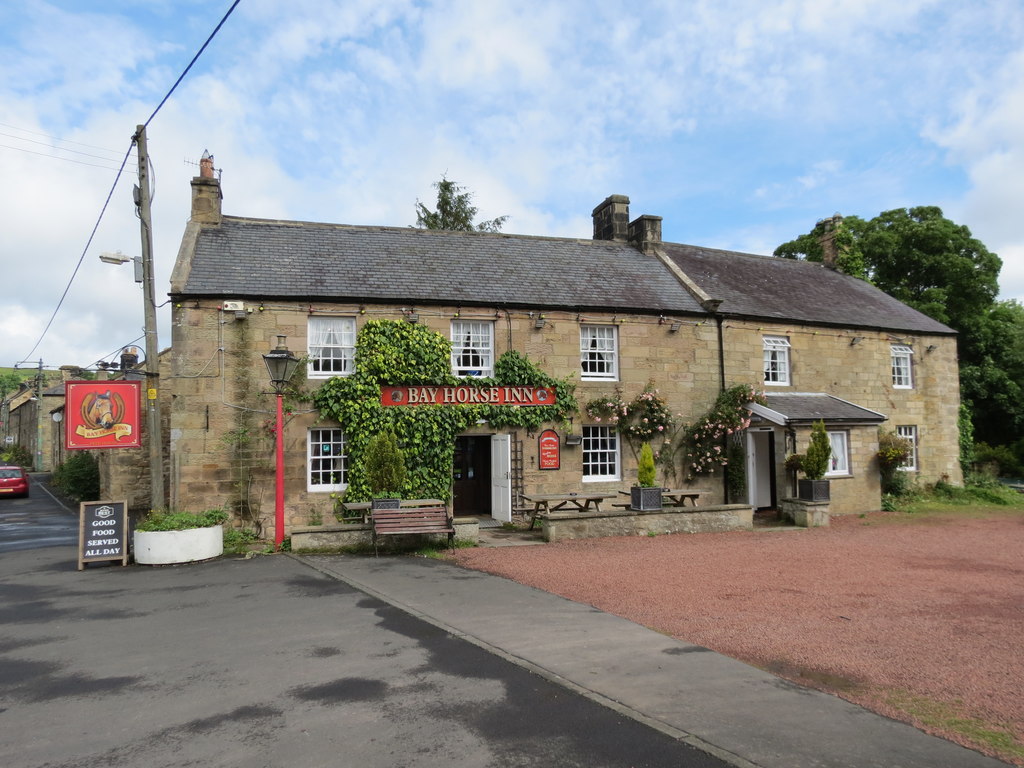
[13, 481]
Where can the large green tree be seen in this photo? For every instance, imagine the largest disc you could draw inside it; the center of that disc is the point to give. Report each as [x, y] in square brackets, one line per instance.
[938, 267]
[455, 211]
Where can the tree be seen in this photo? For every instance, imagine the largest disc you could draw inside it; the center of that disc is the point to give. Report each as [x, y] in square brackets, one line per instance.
[937, 267]
[455, 211]
[9, 382]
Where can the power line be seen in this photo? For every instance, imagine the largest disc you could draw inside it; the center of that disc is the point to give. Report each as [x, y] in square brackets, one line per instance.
[56, 157]
[61, 149]
[84, 250]
[57, 138]
[194, 60]
[124, 161]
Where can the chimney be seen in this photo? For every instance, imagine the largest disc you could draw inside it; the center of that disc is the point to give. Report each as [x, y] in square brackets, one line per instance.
[129, 358]
[645, 232]
[206, 195]
[827, 239]
[611, 219]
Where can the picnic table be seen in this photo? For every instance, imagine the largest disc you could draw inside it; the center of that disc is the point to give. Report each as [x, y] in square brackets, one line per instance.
[549, 502]
[364, 506]
[676, 497]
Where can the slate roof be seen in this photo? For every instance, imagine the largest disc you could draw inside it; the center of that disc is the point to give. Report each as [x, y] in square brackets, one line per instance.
[806, 407]
[277, 259]
[763, 287]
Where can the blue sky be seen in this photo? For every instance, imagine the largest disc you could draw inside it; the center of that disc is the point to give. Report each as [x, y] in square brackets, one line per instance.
[740, 122]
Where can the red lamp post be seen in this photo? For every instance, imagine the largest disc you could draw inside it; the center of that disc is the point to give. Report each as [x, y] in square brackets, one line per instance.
[281, 365]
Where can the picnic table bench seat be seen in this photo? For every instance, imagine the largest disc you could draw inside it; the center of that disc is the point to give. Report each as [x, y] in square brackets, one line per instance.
[414, 520]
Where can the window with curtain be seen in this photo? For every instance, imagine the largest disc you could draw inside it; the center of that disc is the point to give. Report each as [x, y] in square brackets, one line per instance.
[599, 358]
[472, 348]
[776, 360]
[332, 347]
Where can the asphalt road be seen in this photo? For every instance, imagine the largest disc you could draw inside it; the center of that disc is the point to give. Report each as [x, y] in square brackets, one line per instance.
[264, 662]
[37, 521]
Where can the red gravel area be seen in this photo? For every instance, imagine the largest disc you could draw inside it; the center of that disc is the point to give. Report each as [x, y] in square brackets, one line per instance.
[922, 621]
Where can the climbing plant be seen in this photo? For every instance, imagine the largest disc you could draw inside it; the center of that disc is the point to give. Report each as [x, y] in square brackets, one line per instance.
[639, 421]
[702, 448]
[398, 353]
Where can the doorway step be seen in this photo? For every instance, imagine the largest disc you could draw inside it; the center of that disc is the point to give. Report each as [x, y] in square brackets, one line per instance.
[771, 519]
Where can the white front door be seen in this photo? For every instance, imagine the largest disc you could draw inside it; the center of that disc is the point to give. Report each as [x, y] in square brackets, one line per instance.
[759, 468]
[501, 478]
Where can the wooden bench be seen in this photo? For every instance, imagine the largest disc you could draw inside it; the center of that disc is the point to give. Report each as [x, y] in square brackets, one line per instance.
[399, 522]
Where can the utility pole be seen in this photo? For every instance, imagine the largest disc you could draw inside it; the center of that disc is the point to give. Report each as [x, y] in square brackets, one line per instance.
[156, 445]
[39, 418]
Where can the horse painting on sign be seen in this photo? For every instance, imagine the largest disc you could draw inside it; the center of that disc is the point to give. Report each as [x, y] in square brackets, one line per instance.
[102, 411]
[102, 414]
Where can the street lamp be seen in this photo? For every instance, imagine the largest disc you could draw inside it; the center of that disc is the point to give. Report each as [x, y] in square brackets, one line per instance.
[144, 274]
[281, 365]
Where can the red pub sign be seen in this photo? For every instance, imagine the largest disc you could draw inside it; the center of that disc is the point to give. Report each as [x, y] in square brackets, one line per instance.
[102, 414]
[548, 450]
[467, 395]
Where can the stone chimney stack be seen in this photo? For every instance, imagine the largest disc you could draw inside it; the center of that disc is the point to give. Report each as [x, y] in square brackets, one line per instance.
[206, 194]
[645, 232]
[611, 219]
[829, 250]
[129, 358]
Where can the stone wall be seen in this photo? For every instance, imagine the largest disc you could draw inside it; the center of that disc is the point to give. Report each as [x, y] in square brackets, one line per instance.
[359, 536]
[562, 526]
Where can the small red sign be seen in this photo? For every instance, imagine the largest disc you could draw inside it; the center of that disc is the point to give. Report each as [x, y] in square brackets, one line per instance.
[548, 450]
[467, 395]
[102, 414]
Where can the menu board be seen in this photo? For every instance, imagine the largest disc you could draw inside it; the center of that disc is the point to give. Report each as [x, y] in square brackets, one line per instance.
[548, 450]
[102, 532]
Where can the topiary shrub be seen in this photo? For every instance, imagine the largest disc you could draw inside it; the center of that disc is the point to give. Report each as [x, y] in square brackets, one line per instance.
[815, 463]
[385, 465]
[645, 472]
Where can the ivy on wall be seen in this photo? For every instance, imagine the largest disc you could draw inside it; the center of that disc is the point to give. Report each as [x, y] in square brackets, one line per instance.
[399, 353]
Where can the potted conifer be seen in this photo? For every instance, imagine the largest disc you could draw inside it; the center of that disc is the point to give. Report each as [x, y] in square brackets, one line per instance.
[813, 487]
[385, 470]
[645, 495]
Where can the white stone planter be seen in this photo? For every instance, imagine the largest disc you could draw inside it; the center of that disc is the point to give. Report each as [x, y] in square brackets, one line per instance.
[169, 547]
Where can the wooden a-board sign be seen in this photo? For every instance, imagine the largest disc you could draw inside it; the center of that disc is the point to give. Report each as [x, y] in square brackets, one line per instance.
[102, 532]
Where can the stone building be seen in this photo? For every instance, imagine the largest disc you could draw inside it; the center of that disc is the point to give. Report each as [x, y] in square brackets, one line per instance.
[614, 314]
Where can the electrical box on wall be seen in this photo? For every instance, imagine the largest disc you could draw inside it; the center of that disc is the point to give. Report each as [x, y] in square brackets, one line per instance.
[233, 306]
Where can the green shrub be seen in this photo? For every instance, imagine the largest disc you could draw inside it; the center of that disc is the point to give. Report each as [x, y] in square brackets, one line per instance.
[645, 472]
[79, 476]
[1001, 457]
[893, 452]
[17, 454]
[385, 465]
[181, 521]
[238, 541]
[815, 463]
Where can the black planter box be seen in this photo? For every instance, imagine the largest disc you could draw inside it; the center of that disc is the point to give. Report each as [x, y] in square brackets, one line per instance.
[813, 490]
[646, 499]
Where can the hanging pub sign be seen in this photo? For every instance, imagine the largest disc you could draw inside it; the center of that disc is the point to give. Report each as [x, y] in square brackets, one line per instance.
[102, 414]
[467, 395]
[548, 453]
[102, 532]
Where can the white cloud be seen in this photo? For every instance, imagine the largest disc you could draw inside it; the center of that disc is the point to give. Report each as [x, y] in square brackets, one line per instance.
[741, 123]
